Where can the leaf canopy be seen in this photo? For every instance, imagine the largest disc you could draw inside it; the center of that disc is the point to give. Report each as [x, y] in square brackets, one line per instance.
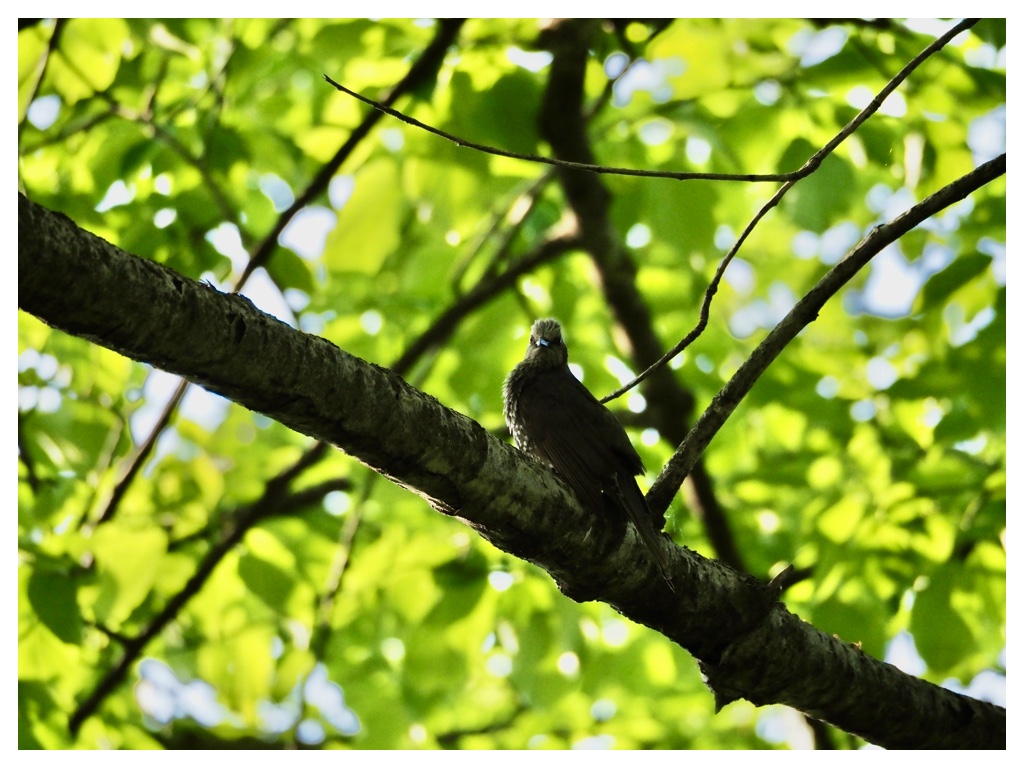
[872, 452]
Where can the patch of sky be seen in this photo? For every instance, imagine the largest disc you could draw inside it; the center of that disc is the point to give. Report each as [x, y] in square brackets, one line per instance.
[277, 189]
[43, 112]
[649, 76]
[533, 61]
[307, 232]
[814, 47]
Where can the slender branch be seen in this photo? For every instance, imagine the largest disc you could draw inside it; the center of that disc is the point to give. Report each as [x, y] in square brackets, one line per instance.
[139, 458]
[339, 566]
[275, 500]
[810, 166]
[514, 216]
[25, 455]
[450, 739]
[805, 312]
[422, 68]
[560, 163]
[425, 66]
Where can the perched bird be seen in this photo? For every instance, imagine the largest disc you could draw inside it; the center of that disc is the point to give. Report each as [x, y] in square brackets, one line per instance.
[554, 417]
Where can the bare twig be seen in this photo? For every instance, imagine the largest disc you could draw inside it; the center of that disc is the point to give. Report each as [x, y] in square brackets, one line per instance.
[810, 166]
[138, 458]
[805, 311]
[339, 566]
[568, 164]
[425, 66]
[514, 216]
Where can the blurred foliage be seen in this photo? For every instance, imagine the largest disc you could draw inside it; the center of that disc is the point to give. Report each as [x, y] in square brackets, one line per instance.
[873, 451]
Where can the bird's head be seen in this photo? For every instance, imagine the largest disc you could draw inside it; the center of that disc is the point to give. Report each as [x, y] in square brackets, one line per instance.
[547, 348]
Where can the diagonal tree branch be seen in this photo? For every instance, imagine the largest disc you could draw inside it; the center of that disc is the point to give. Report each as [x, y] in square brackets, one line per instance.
[749, 645]
[809, 167]
[804, 313]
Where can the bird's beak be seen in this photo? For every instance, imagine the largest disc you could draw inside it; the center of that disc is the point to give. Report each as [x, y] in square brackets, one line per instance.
[542, 342]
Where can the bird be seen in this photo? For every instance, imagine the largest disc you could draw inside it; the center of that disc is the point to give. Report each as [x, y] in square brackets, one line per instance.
[555, 418]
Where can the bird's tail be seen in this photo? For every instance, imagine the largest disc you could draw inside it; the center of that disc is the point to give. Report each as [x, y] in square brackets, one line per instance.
[630, 498]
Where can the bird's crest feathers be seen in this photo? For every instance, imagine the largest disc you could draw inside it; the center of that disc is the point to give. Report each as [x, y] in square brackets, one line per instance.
[546, 329]
[547, 347]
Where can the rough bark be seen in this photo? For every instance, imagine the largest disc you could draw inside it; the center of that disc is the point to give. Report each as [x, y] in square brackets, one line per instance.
[747, 643]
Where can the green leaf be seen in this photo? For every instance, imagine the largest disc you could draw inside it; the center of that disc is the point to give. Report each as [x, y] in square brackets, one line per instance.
[127, 563]
[54, 598]
[290, 271]
[817, 201]
[91, 53]
[368, 226]
[943, 284]
[269, 582]
[941, 634]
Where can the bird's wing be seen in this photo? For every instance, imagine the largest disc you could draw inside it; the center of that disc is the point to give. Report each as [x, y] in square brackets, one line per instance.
[567, 427]
[577, 435]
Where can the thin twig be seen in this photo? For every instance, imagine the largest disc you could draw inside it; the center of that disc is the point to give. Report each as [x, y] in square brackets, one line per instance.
[325, 601]
[514, 215]
[805, 311]
[811, 165]
[544, 160]
[136, 462]
[423, 67]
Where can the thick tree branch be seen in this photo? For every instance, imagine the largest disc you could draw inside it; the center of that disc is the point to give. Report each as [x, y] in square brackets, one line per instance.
[748, 643]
